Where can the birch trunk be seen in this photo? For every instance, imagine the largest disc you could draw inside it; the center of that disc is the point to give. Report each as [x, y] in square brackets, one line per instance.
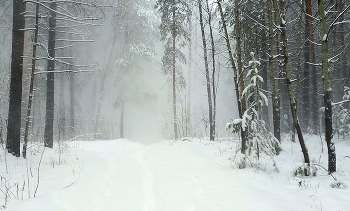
[293, 105]
[31, 86]
[327, 91]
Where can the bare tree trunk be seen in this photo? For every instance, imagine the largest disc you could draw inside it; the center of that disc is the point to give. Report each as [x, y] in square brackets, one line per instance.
[265, 112]
[50, 85]
[109, 66]
[235, 74]
[275, 95]
[72, 90]
[189, 82]
[173, 34]
[293, 105]
[122, 107]
[71, 106]
[31, 87]
[126, 50]
[206, 65]
[306, 73]
[327, 90]
[344, 57]
[14, 113]
[239, 71]
[61, 110]
[309, 65]
[214, 86]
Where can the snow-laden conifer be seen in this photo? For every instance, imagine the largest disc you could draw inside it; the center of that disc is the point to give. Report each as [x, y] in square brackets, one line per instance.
[260, 140]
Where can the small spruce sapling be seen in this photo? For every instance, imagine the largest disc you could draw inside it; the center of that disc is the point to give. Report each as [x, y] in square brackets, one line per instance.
[261, 141]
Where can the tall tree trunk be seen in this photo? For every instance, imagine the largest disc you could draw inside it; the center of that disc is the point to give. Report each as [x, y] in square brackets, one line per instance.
[109, 66]
[122, 113]
[235, 74]
[72, 90]
[239, 71]
[275, 95]
[207, 77]
[344, 57]
[14, 113]
[126, 50]
[31, 86]
[327, 91]
[249, 28]
[309, 65]
[213, 85]
[173, 34]
[61, 112]
[189, 80]
[306, 73]
[50, 83]
[264, 71]
[71, 105]
[293, 105]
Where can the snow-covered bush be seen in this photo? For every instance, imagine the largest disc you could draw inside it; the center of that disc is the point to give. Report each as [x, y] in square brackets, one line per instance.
[302, 171]
[338, 185]
[260, 140]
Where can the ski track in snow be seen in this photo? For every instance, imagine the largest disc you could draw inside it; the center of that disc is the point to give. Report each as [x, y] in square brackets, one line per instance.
[149, 192]
[122, 175]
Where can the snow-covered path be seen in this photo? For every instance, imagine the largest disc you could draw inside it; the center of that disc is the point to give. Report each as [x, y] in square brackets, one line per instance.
[123, 175]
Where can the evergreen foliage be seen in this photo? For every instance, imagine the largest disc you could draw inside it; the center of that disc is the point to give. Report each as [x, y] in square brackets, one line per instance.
[139, 46]
[174, 25]
[260, 140]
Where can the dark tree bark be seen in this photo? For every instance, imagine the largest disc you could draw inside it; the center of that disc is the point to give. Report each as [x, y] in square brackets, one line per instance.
[280, 9]
[327, 91]
[14, 114]
[306, 73]
[344, 57]
[50, 83]
[264, 71]
[239, 72]
[275, 95]
[235, 75]
[310, 68]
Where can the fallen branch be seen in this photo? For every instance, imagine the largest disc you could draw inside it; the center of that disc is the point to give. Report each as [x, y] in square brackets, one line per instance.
[72, 182]
[326, 170]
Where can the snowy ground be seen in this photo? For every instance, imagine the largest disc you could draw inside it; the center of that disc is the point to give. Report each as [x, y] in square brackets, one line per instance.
[167, 176]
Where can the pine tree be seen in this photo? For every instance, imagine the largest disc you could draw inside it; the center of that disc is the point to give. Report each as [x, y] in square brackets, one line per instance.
[138, 46]
[174, 33]
[260, 140]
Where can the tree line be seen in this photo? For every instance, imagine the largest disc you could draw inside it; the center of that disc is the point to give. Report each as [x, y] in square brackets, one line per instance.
[302, 55]
[288, 62]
